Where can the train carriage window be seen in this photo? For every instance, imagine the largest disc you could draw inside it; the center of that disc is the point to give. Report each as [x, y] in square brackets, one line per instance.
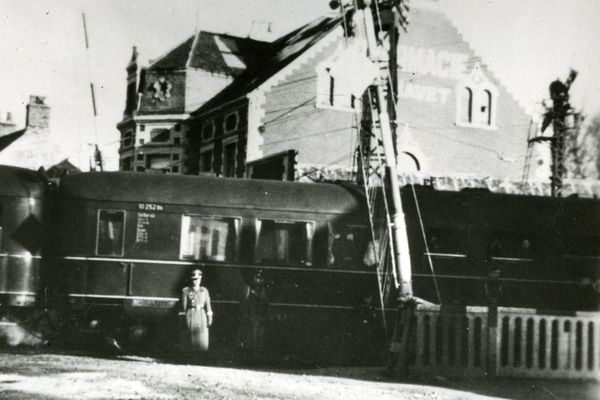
[445, 241]
[582, 245]
[511, 245]
[111, 225]
[284, 242]
[209, 238]
[348, 246]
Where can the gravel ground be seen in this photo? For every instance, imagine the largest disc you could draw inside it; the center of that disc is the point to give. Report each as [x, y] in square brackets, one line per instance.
[36, 375]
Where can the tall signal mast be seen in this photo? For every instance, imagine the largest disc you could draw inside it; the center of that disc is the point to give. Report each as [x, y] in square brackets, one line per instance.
[557, 116]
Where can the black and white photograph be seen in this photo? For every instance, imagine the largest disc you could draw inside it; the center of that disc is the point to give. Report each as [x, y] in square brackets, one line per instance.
[300, 199]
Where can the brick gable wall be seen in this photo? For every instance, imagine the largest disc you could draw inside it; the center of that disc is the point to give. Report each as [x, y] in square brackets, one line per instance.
[292, 121]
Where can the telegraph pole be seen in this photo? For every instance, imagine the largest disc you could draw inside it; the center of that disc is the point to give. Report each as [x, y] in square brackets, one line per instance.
[399, 346]
[375, 72]
[364, 17]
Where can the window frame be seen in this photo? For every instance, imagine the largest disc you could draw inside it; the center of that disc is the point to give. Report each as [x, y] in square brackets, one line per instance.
[207, 149]
[354, 228]
[442, 233]
[238, 235]
[328, 93]
[128, 139]
[226, 143]
[482, 93]
[310, 236]
[203, 134]
[235, 113]
[122, 250]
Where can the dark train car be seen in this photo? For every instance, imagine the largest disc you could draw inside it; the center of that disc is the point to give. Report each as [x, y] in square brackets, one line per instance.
[125, 244]
[512, 250]
[22, 194]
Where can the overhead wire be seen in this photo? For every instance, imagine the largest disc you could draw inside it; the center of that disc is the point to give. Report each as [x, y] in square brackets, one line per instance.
[424, 236]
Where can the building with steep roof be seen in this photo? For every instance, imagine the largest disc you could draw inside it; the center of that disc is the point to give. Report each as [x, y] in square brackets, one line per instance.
[283, 110]
[162, 95]
[293, 119]
[250, 120]
[33, 146]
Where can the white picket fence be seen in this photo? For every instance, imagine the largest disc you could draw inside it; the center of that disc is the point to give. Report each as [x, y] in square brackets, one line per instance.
[517, 342]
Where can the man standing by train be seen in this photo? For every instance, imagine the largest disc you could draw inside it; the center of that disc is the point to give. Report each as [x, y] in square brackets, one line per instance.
[254, 316]
[195, 304]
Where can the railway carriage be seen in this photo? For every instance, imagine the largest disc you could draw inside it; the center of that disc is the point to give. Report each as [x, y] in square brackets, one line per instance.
[124, 244]
[542, 252]
[22, 198]
[118, 248]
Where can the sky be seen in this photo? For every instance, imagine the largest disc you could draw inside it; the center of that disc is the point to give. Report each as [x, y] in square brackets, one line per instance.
[526, 43]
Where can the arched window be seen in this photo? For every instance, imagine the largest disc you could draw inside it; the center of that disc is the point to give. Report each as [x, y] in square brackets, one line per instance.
[485, 108]
[476, 100]
[341, 76]
[465, 106]
[408, 162]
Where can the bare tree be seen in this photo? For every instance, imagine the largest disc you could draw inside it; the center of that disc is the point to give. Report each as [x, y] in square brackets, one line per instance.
[575, 151]
[589, 147]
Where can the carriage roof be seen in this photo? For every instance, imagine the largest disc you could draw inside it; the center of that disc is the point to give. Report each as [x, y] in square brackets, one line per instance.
[212, 191]
[20, 182]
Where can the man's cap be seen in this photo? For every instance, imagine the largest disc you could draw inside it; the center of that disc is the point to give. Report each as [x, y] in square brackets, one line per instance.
[196, 274]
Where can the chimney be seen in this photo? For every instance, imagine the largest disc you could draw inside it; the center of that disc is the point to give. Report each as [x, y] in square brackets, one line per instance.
[7, 126]
[38, 114]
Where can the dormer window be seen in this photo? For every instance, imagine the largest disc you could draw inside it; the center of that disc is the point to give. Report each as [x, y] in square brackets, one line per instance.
[476, 100]
[333, 92]
[161, 89]
[343, 78]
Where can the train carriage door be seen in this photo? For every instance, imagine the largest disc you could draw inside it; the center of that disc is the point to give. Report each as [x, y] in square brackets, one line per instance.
[110, 237]
[215, 241]
[105, 273]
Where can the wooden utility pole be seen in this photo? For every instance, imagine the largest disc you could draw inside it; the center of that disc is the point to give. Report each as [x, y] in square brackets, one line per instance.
[399, 346]
[364, 18]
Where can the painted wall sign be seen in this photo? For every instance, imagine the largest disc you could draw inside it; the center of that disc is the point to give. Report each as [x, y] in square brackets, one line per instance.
[423, 93]
[429, 61]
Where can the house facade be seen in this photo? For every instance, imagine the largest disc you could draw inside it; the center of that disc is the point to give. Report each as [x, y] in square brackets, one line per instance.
[459, 118]
[161, 96]
[295, 118]
[284, 110]
[35, 145]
